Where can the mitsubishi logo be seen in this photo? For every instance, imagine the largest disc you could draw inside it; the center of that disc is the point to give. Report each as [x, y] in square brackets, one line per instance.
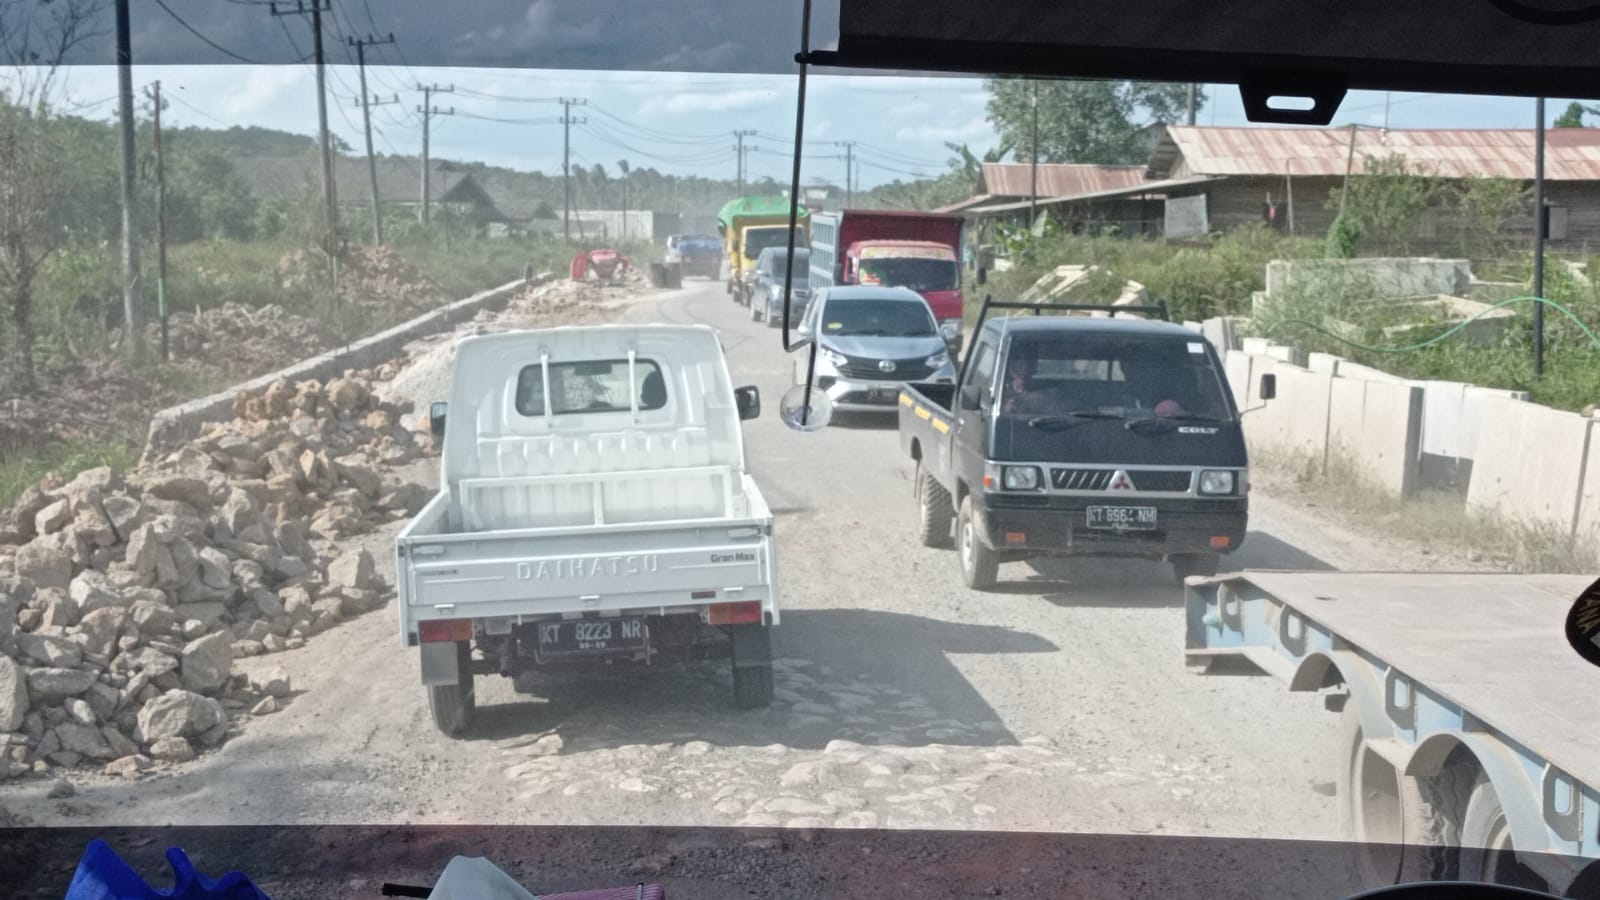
[1120, 482]
[886, 365]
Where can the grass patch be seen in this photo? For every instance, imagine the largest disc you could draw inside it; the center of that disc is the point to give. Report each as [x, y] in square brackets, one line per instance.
[66, 460]
[1436, 519]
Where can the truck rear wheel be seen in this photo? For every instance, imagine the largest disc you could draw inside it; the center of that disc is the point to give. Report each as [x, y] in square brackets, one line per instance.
[1394, 832]
[980, 566]
[935, 511]
[1203, 565]
[752, 666]
[1487, 853]
[453, 705]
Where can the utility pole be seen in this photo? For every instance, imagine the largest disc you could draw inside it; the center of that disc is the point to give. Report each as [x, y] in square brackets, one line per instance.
[1193, 98]
[132, 308]
[567, 121]
[324, 140]
[154, 93]
[739, 149]
[849, 168]
[427, 110]
[1033, 159]
[366, 121]
[1349, 165]
[1540, 233]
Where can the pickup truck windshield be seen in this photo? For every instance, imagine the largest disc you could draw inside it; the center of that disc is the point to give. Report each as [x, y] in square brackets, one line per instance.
[877, 318]
[591, 386]
[1124, 376]
[916, 274]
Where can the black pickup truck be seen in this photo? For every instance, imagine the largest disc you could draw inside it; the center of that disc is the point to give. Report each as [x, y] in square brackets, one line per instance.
[1079, 435]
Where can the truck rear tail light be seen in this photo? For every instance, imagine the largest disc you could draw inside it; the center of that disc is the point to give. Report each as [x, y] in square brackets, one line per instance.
[744, 612]
[444, 630]
[1220, 541]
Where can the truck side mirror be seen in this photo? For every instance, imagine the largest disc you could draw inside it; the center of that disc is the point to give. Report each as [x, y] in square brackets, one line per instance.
[983, 275]
[748, 399]
[436, 414]
[1269, 386]
[971, 397]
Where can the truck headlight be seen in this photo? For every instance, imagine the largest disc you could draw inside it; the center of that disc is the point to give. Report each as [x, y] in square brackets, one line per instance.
[1212, 482]
[1020, 478]
[832, 356]
[937, 361]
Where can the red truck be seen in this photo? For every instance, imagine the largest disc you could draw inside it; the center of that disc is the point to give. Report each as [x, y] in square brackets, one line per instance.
[918, 250]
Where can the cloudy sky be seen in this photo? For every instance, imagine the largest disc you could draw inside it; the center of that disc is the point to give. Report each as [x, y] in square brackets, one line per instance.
[675, 122]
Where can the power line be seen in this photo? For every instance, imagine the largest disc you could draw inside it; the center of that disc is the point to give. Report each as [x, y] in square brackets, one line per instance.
[208, 41]
[183, 102]
[484, 95]
[543, 120]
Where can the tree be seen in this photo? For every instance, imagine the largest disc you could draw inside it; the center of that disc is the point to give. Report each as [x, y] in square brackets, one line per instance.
[1573, 116]
[35, 36]
[1387, 202]
[1083, 121]
[1486, 205]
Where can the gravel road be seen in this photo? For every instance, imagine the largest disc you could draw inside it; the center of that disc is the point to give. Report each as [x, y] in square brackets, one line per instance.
[1059, 703]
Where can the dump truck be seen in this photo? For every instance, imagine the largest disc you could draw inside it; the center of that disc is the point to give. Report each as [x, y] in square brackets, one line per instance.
[889, 248]
[752, 224]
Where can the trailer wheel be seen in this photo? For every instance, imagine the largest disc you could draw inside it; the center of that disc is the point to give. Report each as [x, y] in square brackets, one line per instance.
[980, 566]
[1394, 831]
[453, 705]
[1204, 565]
[752, 666]
[935, 511]
[1487, 853]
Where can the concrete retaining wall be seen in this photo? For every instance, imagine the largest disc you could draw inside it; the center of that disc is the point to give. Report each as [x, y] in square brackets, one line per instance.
[1394, 277]
[170, 427]
[1377, 426]
[1532, 471]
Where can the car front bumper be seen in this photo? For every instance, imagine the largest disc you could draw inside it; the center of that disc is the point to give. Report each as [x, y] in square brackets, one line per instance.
[1059, 525]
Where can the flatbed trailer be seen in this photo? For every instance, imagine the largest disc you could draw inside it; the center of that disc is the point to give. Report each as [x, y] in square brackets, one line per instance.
[1470, 732]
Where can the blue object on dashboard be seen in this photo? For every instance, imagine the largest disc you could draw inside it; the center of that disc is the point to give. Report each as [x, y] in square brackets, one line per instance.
[103, 875]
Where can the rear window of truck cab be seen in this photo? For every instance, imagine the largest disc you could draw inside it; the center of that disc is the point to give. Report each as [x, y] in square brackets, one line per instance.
[591, 386]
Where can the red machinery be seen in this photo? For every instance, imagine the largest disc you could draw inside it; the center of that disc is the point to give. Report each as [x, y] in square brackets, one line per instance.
[605, 263]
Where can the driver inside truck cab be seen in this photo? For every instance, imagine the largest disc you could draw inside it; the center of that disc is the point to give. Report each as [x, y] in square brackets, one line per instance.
[1019, 384]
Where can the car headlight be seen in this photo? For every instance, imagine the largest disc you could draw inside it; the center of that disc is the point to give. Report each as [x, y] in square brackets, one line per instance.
[937, 361]
[1216, 482]
[832, 356]
[950, 329]
[1020, 478]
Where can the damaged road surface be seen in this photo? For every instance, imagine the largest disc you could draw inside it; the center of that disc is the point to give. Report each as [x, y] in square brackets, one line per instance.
[902, 700]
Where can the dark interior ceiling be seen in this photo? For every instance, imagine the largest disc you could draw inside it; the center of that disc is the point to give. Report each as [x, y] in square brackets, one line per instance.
[1305, 47]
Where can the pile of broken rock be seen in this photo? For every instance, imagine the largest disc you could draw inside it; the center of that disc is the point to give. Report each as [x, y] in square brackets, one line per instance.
[124, 601]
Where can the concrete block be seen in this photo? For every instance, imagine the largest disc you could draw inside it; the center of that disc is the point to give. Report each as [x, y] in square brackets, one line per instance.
[1287, 354]
[1588, 528]
[1295, 423]
[1326, 363]
[1348, 369]
[1255, 346]
[1194, 326]
[1386, 277]
[1238, 368]
[1531, 468]
[1222, 332]
[1377, 427]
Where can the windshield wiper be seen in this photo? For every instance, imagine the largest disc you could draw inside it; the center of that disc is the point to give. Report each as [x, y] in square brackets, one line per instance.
[1067, 420]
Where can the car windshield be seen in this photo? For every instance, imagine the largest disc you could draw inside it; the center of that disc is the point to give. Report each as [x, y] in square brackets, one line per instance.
[333, 512]
[916, 273]
[876, 318]
[1165, 378]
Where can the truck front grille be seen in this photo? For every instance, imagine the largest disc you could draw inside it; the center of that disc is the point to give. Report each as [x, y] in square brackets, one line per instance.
[1165, 481]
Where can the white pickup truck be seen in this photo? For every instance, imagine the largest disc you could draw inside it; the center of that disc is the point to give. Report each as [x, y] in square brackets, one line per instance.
[594, 510]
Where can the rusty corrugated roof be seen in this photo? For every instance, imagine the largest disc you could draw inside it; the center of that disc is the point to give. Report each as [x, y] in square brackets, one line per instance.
[1056, 179]
[1152, 189]
[1571, 154]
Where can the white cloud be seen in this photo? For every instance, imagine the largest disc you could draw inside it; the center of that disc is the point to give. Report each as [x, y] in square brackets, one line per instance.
[910, 110]
[710, 101]
[973, 129]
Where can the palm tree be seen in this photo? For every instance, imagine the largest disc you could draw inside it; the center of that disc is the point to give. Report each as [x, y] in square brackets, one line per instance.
[969, 165]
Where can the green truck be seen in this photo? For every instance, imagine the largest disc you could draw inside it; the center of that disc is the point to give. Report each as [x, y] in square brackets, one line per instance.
[749, 225]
